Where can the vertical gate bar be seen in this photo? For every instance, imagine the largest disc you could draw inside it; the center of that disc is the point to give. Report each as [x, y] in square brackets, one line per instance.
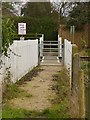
[41, 48]
[59, 47]
[41, 45]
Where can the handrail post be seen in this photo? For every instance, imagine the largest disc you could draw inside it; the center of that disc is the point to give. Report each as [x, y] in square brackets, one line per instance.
[59, 47]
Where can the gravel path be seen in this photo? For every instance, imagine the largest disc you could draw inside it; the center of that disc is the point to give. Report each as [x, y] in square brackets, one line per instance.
[40, 90]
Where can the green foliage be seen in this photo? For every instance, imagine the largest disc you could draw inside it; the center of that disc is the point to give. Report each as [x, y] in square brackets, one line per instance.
[37, 9]
[88, 51]
[8, 34]
[11, 112]
[79, 15]
[60, 104]
[7, 5]
[39, 19]
[59, 108]
[7, 78]
[57, 112]
[12, 92]
[44, 25]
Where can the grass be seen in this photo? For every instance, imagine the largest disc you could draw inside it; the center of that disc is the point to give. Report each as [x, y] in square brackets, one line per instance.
[11, 112]
[13, 90]
[59, 108]
[57, 111]
[85, 65]
[88, 51]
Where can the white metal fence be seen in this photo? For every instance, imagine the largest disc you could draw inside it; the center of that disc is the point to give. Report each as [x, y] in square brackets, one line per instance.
[68, 56]
[59, 46]
[25, 59]
[41, 45]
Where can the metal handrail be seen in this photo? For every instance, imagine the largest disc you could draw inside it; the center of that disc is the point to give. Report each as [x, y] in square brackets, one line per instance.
[49, 41]
[50, 44]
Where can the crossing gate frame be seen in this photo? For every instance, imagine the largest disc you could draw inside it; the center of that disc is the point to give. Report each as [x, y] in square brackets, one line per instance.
[51, 48]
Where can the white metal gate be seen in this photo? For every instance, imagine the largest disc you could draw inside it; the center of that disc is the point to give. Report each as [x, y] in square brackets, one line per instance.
[50, 52]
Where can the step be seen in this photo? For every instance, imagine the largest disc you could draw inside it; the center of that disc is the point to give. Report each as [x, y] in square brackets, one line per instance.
[50, 60]
[50, 57]
[58, 64]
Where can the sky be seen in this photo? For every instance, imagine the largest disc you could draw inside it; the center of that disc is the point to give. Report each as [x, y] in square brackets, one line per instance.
[45, 0]
[18, 7]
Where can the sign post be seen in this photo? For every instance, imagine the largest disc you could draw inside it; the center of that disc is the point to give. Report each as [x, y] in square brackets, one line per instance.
[72, 31]
[21, 30]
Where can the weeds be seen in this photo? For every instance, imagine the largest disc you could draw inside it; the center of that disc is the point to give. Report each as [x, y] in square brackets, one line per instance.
[62, 83]
[11, 112]
[59, 108]
[28, 77]
[13, 90]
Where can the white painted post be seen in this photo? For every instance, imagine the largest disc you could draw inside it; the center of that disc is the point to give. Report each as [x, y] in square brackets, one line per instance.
[68, 57]
[42, 43]
[41, 47]
[59, 47]
[42, 37]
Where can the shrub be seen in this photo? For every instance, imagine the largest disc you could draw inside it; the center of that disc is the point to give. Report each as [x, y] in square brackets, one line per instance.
[44, 25]
[8, 34]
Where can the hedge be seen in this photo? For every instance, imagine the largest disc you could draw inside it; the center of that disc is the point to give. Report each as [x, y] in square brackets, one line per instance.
[45, 25]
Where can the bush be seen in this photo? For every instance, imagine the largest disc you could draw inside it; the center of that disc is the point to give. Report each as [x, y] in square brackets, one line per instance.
[8, 34]
[44, 25]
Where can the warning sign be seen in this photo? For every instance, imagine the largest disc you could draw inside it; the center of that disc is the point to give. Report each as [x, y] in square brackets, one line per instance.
[22, 28]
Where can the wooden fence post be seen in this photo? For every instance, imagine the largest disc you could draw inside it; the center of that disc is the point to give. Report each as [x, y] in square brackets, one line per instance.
[81, 94]
[75, 65]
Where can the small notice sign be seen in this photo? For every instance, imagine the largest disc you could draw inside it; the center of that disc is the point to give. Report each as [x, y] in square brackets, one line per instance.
[22, 28]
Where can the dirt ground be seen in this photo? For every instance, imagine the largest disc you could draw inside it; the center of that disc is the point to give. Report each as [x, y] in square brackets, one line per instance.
[39, 89]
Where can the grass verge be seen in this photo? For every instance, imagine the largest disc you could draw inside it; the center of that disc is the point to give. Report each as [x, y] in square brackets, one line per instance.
[60, 107]
[13, 91]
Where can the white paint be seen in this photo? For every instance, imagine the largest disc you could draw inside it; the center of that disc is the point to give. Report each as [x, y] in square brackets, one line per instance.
[22, 28]
[57, 58]
[58, 61]
[68, 56]
[43, 58]
[41, 45]
[27, 58]
[59, 46]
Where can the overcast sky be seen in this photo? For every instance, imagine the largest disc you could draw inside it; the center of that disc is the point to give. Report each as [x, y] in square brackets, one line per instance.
[45, 0]
[18, 7]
